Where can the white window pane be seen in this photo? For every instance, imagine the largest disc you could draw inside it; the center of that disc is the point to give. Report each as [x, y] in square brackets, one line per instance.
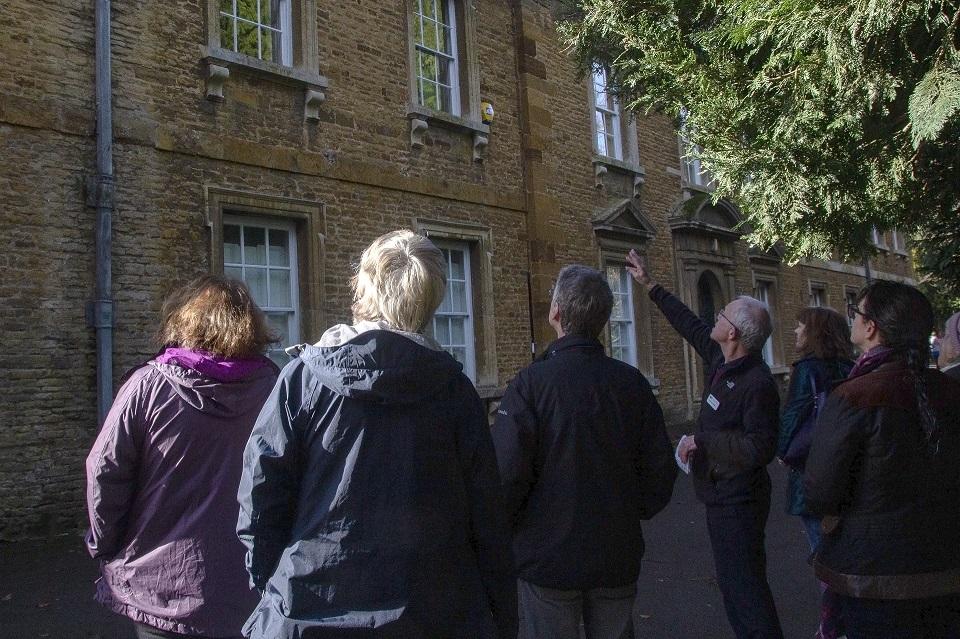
[279, 287]
[280, 323]
[227, 26]
[233, 271]
[445, 40]
[256, 279]
[459, 354]
[429, 34]
[442, 330]
[458, 297]
[618, 311]
[279, 248]
[254, 245]
[248, 38]
[456, 331]
[231, 244]
[456, 264]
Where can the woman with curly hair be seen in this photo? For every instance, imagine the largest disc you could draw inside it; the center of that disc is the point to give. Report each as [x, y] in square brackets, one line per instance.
[163, 473]
[823, 341]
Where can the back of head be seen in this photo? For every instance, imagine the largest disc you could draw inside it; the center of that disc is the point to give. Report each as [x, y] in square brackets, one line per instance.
[215, 314]
[904, 319]
[401, 280]
[752, 321]
[585, 300]
[903, 316]
[827, 334]
[950, 342]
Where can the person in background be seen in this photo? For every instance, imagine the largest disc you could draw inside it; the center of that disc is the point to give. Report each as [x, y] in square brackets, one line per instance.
[949, 356]
[735, 439]
[163, 473]
[883, 473]
[585, 458]
[823, 342]
[370, 499]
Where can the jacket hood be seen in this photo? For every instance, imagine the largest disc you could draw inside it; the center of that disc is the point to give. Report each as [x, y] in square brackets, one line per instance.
[213, 397]
[382, 366]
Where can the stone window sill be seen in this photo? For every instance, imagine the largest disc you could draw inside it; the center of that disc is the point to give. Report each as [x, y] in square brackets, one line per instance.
[422, 118]
[603, 164]
[221, 62]
[699, 188]
[233, 60]
[618, 165]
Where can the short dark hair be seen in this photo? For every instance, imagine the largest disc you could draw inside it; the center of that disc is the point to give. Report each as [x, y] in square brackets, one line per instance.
[216, 314]
[826, 333]
[584, 298]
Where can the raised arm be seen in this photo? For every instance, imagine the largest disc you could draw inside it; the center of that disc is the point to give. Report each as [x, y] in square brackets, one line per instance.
[682, 319]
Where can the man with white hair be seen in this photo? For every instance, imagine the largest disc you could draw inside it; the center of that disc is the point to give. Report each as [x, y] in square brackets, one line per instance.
[735, 439]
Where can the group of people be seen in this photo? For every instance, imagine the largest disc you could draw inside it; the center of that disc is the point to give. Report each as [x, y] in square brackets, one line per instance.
[361, 492]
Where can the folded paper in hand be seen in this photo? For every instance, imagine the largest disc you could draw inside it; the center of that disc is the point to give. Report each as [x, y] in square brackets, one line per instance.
[684, 466]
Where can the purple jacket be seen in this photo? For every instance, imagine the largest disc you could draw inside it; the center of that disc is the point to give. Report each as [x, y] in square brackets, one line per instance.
[162, 482]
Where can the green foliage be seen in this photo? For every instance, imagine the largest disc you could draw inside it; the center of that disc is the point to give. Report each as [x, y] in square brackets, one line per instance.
[821, 119]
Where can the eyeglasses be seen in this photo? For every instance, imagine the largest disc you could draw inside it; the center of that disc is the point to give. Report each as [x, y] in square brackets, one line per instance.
[853, 310]
[720, 314]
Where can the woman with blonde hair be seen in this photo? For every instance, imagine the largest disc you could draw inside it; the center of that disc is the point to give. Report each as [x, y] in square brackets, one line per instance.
[162, 475]
[370, 498]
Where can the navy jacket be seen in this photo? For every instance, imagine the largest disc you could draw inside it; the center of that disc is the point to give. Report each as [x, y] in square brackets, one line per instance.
[737, 438]
[798, 406]
[370, 495]
[585, 458]
[898, 505]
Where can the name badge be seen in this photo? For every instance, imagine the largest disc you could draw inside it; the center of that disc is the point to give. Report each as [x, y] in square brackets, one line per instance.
[713, 401]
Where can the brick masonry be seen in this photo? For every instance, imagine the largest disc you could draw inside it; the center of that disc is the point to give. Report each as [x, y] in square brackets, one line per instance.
[535, 192]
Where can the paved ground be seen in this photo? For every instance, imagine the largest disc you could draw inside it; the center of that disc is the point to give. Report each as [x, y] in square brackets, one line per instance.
[46, 587]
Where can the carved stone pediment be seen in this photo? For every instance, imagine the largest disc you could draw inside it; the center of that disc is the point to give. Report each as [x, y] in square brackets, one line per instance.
[623, 220]
[700, 214]
[773, 255]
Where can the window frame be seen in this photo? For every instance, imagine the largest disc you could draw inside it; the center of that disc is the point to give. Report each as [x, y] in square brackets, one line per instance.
[480, 241]
[763, 291]
[610, 109]
[304, 67]
[285, 31]
[467, 76]
[470, 366]
[813, 287]
[308, 218]
[294, 323]
[623, 279]
[452, 58]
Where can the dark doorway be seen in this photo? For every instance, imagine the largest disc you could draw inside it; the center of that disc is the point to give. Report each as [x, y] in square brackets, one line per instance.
[709, 301]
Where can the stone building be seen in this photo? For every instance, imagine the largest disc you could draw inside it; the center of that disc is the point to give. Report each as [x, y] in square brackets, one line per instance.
[274, 139]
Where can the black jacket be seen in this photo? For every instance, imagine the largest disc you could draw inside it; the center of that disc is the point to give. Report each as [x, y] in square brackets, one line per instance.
[370, 493]
[737, 438]
[898, 506]
[584, 457]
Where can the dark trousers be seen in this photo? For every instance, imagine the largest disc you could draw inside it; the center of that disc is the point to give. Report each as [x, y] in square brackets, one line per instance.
[149, 632]
[935, 618]
[737, 539]
[606, 613]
